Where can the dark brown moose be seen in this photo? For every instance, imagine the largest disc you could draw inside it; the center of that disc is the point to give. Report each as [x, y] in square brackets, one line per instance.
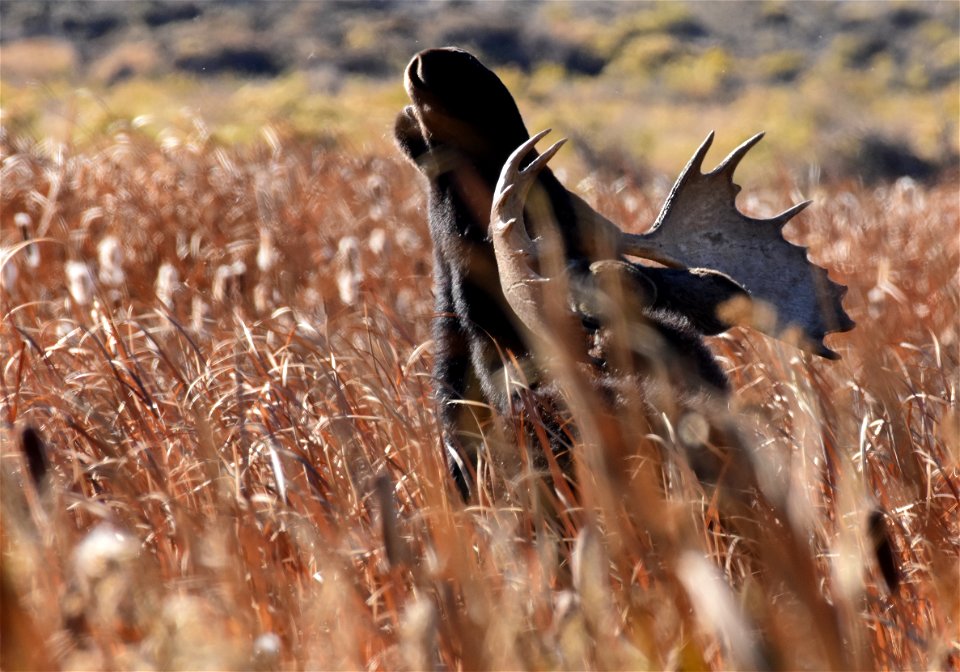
[523, 266]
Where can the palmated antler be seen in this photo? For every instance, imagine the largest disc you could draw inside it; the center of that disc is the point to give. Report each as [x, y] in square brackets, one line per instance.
[700, 227]
[712, 248]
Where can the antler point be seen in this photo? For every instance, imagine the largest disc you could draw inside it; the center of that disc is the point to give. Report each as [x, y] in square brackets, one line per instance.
[790, 213]
[729, 164]
[700, 154]
[540, 135]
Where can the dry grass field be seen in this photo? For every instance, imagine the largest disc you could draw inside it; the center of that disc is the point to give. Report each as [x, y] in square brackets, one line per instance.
[219, 449]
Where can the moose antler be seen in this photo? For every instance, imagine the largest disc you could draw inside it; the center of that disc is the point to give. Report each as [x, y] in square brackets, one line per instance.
[524, 287]
[700, 226]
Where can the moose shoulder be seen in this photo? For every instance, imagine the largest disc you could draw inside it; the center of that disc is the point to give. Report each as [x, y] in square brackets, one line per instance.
[463, 130]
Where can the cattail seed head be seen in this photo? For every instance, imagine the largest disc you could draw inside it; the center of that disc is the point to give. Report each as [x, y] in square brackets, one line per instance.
[9, 272]
[110, 256]
[228, 280]
[350, 272]
[378, 242]
[24, 222]
[267, 255]
[79, 282]
[168, 281]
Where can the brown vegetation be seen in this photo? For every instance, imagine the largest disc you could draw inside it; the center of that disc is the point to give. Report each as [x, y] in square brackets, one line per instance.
[225, 352]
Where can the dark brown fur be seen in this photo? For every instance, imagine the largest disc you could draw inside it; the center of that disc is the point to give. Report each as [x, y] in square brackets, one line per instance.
[461, 127]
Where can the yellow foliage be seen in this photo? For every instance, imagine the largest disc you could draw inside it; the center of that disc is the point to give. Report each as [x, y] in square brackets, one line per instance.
[361, 35]
[780, 66]
[700, 77]
[40, 58]
[646, 53]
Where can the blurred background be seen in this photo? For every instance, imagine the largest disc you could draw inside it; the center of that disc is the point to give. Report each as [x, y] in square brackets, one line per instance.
[860, 89]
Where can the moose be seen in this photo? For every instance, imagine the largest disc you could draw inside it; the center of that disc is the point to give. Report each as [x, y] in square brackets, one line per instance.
[522, 265]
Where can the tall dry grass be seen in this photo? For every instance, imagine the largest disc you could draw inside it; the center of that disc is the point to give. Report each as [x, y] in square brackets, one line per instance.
[220, 451]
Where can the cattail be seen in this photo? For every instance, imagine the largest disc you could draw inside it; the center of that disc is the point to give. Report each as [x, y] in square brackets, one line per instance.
[884, 551]
[409, 241]
[376, 188]
[405, 301]
[9, 273]
[228, 280]
[199, 314]
[378, 243]
[35, 451]
[168, 282]
[102, 587]
[350, 274]
[265, 297]
[267, 255]
[79, 282]
[103, 548]
[266, 651]
[110, 256]
[418, 634]
[24, 222]
[718, 612]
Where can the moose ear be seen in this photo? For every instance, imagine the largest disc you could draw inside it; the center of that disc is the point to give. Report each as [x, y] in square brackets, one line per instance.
[699, 294]
[409, 135]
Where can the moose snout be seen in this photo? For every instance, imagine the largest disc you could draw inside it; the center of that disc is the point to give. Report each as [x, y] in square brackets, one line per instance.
[437, 69]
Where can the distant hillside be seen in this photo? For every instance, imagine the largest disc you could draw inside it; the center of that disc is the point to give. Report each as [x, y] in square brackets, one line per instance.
[876, 83]
[375, 38]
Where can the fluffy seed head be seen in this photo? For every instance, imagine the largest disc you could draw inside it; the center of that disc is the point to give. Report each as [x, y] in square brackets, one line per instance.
[79, 282]
[110, 256]
[168, 281]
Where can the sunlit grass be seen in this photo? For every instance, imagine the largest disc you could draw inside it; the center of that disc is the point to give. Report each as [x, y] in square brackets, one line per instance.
[244, 466]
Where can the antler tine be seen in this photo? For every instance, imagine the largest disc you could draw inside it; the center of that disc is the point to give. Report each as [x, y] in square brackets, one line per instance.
[696, 161]
[790, 213]
[540, 162]
[522, 286]
[729, 164]
[512, 179]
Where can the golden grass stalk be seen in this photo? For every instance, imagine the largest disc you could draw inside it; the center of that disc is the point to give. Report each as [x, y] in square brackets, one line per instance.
[268, 457]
